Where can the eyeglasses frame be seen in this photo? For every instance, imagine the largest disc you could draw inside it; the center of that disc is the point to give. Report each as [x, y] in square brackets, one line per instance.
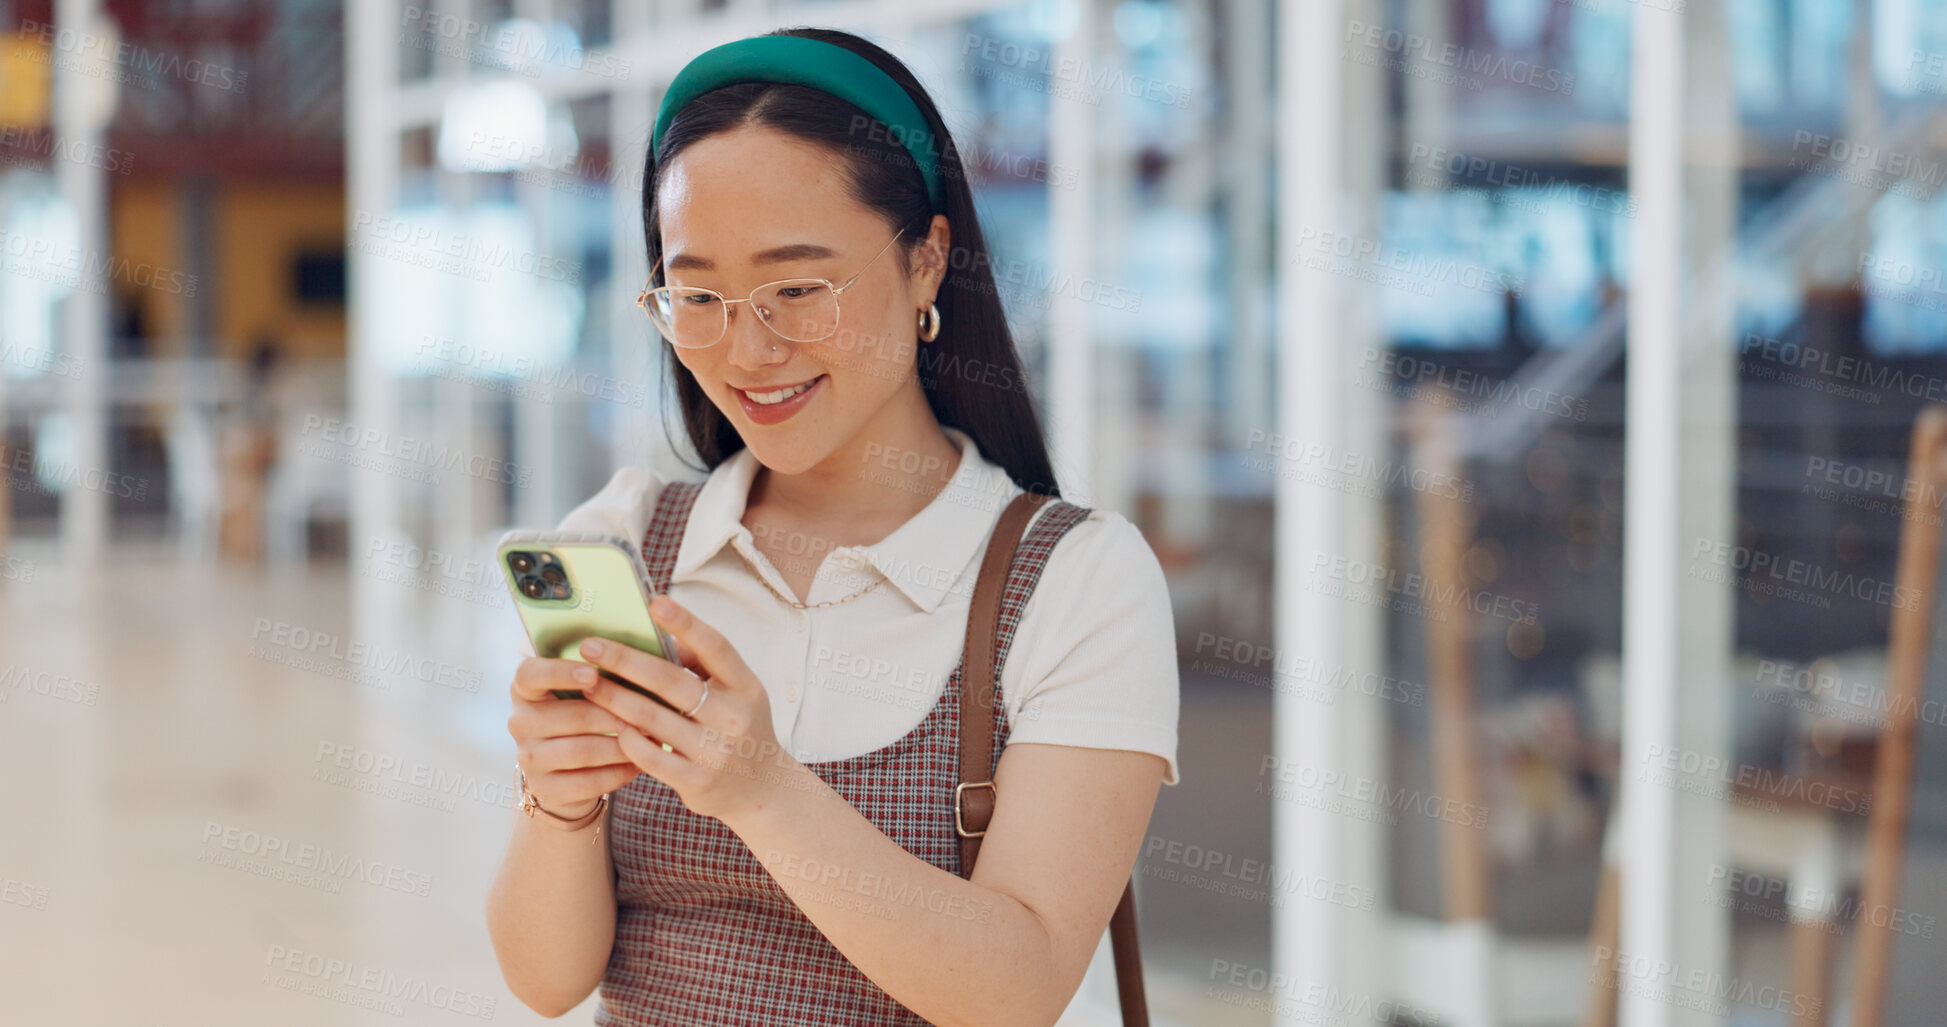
[642, 298]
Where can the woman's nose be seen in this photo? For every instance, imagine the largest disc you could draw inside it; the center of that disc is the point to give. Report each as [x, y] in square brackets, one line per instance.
[751, 341]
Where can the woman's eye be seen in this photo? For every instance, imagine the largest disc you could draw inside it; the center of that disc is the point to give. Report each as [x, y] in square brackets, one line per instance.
[798, 292]
[698, 299]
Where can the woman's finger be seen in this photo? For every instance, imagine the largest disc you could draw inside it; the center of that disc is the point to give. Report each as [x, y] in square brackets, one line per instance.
[579, 752]
[670, 766]
[675, 685]
[558, 718]
[720, 661]
[537, 676]
[580, 785]
[645, 715]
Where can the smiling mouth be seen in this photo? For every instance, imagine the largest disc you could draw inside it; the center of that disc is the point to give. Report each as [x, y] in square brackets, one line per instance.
[776, 396]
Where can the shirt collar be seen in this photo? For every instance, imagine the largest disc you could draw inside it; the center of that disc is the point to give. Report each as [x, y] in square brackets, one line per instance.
[927, 558]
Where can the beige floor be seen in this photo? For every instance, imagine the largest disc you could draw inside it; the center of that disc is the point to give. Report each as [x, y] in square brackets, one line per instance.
[144, 742]
[153, 733]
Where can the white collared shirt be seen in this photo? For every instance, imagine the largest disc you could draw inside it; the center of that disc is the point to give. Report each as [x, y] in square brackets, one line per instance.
[1092, 663]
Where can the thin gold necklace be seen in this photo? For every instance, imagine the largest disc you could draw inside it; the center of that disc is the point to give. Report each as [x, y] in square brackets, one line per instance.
[759, 575]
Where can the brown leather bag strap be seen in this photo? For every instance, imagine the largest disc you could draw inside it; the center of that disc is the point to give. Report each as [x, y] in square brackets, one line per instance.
[973, 797]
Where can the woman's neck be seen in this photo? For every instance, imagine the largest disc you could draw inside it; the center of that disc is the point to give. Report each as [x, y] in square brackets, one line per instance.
[866, 488]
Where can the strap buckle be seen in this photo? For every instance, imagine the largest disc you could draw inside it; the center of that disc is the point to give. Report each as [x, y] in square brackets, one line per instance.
[960, 824]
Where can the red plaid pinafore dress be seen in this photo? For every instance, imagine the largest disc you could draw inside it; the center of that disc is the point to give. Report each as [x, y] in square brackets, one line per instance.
[703, 935]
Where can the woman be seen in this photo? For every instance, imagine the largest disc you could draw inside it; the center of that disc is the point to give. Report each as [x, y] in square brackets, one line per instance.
[778, 845]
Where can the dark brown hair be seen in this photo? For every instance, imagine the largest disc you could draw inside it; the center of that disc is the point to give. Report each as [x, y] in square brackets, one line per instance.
[972, 373]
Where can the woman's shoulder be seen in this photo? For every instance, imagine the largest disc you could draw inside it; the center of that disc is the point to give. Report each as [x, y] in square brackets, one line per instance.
[622, 507]
[1103, 551]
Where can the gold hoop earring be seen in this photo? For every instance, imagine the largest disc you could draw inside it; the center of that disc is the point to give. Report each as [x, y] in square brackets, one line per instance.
[929, 323]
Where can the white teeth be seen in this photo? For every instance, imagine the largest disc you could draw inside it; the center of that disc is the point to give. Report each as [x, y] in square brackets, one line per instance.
[768, 398]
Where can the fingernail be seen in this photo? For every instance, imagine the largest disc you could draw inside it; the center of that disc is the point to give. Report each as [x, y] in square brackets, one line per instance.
[585, 675]
[592, 648]
[663, 607]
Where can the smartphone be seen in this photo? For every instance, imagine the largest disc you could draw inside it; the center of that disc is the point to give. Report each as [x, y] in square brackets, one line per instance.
[569, 586]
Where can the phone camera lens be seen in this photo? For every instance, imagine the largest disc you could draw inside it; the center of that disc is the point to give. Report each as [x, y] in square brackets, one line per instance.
[521, 562]
[532, 588]
[552, 574]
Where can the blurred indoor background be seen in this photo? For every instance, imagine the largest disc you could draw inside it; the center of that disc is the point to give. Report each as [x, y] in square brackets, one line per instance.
[1531, 403]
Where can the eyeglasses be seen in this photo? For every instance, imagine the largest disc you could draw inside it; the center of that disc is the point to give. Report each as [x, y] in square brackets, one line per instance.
[797, 309]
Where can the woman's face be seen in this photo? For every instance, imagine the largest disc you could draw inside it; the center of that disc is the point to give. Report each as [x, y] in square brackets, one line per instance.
[751, 206]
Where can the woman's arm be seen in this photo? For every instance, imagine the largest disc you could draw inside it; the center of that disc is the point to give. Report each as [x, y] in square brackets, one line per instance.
[551, 912]
[1009, 945]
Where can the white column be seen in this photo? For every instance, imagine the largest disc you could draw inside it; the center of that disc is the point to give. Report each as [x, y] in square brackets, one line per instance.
[1681, 413]
[1308, 520]
[1361, 723]
[1070, 407]
[636, 352]
[81, 106]
[372, 157]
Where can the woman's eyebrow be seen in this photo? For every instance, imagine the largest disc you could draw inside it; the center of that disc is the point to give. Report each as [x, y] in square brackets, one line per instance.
[774, 255]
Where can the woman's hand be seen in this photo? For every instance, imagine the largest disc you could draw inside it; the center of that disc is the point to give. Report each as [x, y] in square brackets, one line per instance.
[568, 760]
[723, 761]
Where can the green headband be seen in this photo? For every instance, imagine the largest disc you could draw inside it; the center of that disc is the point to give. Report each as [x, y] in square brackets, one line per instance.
[820, 65]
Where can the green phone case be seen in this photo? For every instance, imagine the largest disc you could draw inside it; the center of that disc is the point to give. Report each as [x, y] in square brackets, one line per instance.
[608, 598]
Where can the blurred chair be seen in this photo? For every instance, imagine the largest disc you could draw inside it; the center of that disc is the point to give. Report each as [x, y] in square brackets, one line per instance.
[305, 482]
[1808, 845]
